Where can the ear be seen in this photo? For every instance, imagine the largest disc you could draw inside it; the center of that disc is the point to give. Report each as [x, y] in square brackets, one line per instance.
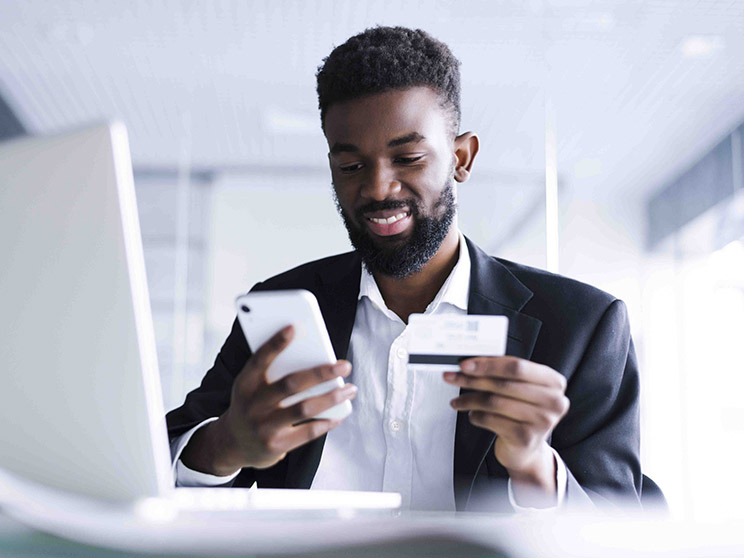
[466, 148]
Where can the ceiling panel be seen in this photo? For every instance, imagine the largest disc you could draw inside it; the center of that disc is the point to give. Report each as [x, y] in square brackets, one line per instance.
[230, 83]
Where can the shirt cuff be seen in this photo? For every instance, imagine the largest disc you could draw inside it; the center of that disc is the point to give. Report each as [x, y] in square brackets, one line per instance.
[188, 477]
[561, 482]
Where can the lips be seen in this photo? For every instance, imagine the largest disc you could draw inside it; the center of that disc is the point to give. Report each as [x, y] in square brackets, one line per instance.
[388, 222]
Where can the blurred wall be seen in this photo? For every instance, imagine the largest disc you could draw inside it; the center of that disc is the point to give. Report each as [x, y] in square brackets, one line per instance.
[261, 224]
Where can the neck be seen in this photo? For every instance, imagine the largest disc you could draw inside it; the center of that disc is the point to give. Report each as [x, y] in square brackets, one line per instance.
[414, 293]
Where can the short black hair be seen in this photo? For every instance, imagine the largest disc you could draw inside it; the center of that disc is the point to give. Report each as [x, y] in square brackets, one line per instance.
[384, 58]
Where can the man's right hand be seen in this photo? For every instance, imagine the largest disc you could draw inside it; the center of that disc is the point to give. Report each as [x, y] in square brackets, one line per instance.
[256, 430]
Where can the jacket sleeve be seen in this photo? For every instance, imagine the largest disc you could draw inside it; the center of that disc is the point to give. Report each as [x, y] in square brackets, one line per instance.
[212, 397]
[599, 438]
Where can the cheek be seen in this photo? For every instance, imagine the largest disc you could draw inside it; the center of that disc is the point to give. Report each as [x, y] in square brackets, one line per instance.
[443, 163]
[444, 171]
[436, 173]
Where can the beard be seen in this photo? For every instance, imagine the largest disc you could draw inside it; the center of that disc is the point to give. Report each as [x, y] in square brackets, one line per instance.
[402, 258]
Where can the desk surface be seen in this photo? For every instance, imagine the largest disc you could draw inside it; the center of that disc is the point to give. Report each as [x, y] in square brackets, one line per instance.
[439, 535]
[20, 541]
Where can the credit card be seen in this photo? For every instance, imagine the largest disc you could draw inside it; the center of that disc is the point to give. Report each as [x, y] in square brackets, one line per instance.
[439, 342]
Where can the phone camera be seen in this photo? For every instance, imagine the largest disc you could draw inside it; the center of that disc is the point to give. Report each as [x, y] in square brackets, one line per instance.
[244, 308]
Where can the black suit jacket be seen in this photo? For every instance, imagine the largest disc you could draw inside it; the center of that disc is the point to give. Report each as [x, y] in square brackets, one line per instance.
[578, 330]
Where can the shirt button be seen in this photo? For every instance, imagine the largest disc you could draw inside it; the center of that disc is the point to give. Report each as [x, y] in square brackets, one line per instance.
[395, 425]
[401, 352]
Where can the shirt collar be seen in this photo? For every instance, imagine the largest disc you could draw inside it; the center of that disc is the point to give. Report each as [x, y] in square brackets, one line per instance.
[455, 290]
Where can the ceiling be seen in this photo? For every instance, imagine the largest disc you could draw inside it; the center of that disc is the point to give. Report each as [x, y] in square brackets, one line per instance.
[638, 88]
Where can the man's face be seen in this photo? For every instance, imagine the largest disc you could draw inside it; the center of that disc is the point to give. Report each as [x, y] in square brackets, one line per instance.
[392, 163]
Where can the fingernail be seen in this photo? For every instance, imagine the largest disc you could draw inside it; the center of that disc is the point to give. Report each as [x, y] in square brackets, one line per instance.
[350, 389]
[467, 366]
[342, 368]
[286, 332]
[450, 376]
[453, 403]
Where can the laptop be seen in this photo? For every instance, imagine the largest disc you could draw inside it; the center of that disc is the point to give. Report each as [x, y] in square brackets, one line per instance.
[81, 403]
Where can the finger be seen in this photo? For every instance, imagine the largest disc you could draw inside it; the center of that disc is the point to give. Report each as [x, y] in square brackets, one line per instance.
[304, 433]
[254, 371]
[312, 406]
[513, 368]
[270, 395]
[506, 407]
[267, 352]
[515, 432]
[543, 396]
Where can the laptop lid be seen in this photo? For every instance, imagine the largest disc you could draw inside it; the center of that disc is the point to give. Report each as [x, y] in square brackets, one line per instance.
[80, 403]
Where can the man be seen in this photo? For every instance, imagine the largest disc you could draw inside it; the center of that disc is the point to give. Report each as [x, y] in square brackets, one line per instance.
[497, 435]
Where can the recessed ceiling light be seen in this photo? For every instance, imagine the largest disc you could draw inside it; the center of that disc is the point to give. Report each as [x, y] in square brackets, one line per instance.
[701, 46]
[606, 22]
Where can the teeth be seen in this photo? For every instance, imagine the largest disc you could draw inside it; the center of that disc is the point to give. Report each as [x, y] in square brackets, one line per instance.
[389, 220]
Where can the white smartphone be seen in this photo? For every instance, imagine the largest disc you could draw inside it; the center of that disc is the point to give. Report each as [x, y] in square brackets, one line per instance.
[262, 314]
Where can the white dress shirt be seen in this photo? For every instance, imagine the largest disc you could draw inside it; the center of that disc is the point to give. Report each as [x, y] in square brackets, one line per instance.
[400, 436]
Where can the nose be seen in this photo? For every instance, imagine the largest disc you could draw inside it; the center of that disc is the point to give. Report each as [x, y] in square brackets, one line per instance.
[380, 183]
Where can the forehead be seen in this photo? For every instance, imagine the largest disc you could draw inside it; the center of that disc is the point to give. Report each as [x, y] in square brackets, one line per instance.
[373, 120]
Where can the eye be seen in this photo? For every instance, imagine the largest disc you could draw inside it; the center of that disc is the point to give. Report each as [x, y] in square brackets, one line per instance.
[408, 160]
[350, 168]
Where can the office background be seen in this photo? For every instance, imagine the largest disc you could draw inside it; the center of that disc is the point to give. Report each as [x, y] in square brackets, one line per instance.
[611, 152]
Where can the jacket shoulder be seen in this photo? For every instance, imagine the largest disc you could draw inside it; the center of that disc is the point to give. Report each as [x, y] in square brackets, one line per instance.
[574, 316]
[558, 291]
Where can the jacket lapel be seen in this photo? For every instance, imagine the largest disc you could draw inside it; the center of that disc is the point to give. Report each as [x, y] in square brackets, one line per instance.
[494, 290]
[337, 294]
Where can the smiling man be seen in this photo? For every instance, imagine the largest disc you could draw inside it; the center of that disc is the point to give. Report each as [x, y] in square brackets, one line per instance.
[553, 424]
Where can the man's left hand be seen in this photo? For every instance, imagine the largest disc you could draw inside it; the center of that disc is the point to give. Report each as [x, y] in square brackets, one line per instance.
[520, 401]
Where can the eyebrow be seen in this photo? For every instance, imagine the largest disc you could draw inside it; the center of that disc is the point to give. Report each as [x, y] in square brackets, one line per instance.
[413, 137]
